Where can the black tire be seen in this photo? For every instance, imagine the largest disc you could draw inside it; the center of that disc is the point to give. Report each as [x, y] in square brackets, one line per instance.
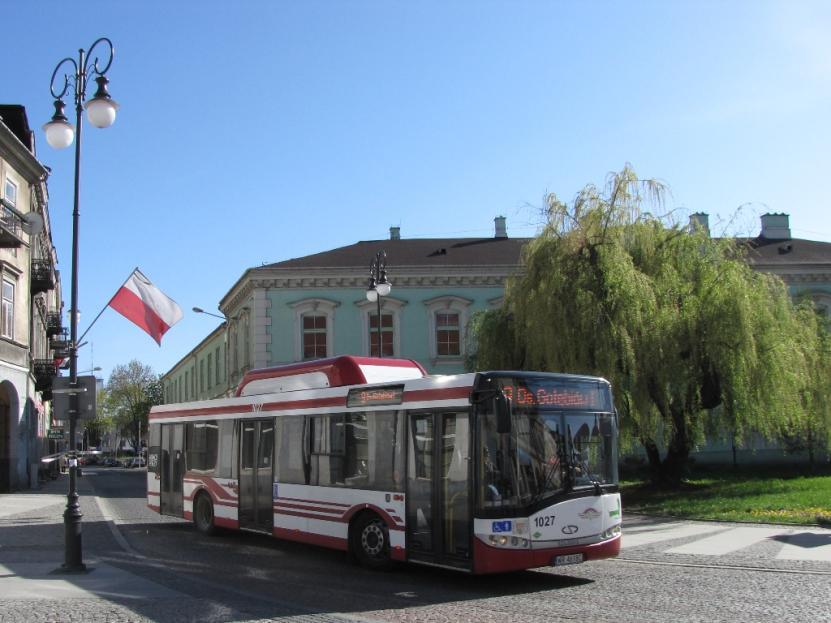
[370, 541]
[203, 514]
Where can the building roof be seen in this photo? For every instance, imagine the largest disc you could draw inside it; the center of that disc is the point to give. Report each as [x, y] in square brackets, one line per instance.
[787, 252]
[14, 118]
[422, 252]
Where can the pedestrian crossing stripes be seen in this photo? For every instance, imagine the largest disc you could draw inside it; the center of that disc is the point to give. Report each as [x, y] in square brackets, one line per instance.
[801, 544]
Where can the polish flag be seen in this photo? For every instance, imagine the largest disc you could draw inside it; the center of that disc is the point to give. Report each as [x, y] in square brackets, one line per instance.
[142, 303]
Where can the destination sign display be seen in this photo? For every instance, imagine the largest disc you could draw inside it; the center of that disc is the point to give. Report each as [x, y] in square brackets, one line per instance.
[375, 396]
[557, 394]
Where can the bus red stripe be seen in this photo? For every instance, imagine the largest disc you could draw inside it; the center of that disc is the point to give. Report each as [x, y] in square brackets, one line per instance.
[338, 519]
[222, 503]
[319, 509]
[214, 487]
[314, 403]
[332, 519]
[419, 395]
[308, 501]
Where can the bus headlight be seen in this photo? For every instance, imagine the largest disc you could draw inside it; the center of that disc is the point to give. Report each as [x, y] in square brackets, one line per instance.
[501, 540]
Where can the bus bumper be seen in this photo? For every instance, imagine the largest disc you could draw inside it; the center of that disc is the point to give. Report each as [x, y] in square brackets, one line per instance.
[489, 559]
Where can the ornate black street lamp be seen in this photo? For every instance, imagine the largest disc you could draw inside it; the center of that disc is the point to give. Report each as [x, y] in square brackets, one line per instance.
[378, 287]
[101, 110]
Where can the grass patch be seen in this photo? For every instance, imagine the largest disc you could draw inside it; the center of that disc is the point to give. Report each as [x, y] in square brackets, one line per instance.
[758, 494]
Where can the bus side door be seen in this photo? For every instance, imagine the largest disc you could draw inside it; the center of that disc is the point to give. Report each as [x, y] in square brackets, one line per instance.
[438, 489]
[172, 469]
[256, 475]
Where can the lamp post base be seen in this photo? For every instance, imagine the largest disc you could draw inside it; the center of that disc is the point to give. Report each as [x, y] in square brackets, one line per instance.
[73, 548]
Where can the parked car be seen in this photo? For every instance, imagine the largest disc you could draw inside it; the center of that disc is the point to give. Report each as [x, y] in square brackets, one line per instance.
[111, 462]
[136, 461]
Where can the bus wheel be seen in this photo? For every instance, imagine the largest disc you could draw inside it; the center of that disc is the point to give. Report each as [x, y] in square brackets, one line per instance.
[371, 541]
[203, 514]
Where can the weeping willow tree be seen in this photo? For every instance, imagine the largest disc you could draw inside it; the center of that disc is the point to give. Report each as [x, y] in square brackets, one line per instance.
[676, 320]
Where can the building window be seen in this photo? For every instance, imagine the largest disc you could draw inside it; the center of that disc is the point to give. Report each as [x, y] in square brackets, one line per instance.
[210, 369]
[447, 318]
[216, 358]
[391, 309]
[8, 309]
[447, 334]
[234, 346]
[314, 336]
[10, 193]
[387, 335]
[314, 320]
[202, 376]
[246, 343]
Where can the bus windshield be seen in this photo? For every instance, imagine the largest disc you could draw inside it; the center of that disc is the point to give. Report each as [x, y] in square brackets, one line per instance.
[551, 448]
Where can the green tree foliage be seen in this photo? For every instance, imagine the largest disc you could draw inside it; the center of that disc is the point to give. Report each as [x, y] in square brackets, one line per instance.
[131, 390]
[676, 320]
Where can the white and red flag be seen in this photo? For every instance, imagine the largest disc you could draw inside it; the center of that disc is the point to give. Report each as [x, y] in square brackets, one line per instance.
[142, 303]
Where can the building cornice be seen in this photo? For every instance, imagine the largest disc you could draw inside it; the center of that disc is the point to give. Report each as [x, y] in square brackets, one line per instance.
[801, 274]
[19, 157]
[405, 277]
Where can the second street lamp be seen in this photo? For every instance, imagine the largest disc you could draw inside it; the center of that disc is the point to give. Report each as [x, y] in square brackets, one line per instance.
[377, 288]
[60, 133]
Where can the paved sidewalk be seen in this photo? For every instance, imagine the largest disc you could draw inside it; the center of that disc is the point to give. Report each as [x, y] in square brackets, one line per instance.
[33, 586]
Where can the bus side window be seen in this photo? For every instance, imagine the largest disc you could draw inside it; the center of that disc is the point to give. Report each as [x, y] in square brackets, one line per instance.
[291, 464]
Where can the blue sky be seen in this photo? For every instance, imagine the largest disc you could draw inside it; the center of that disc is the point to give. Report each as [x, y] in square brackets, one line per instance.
[254, 132]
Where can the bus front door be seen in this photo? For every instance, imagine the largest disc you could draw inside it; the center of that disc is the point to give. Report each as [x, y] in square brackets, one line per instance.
[256, 475]
[438, 489]
[172, 469]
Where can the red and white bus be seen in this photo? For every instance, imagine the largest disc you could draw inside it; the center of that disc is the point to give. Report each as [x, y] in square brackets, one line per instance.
[483, 472]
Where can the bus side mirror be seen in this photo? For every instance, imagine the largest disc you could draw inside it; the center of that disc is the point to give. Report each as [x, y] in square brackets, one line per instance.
[503, 414]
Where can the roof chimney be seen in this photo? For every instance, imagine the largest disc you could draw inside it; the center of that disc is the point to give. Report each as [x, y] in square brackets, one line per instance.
[500, 228]
[395, 233]
[700, 220]
[775, 227]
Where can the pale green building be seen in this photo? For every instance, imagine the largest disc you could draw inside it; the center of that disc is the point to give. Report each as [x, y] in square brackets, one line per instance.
[316, 306]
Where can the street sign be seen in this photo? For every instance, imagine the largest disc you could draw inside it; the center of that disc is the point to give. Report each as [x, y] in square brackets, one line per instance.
[56, 433]
[62, 390]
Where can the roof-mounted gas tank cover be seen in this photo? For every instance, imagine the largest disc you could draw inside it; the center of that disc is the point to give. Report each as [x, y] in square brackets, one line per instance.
[332, 372]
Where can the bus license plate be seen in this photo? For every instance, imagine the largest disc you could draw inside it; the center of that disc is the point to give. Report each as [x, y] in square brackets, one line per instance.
[568, 559]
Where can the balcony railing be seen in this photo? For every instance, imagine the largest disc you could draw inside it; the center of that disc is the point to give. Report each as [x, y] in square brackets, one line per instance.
[10, 229]
[43, 276]
[44, 370]
[60, 345]
[54, 324]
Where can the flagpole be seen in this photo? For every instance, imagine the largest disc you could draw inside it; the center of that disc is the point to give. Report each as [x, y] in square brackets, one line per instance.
[107, 305]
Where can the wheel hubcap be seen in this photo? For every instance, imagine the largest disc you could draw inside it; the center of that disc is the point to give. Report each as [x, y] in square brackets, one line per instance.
[372, 539]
